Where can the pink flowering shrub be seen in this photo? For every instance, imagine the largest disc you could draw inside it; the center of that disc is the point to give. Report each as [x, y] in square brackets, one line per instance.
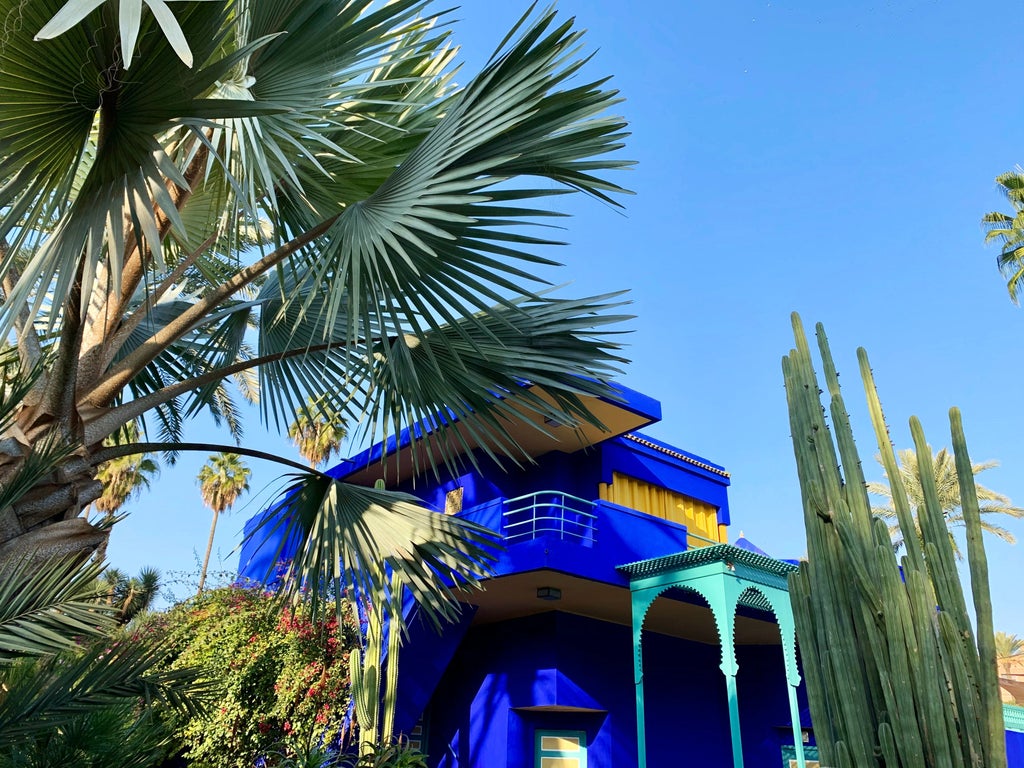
[283, 679]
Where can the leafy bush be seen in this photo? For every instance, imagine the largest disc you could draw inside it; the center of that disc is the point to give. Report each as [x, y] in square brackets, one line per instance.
[282, 679]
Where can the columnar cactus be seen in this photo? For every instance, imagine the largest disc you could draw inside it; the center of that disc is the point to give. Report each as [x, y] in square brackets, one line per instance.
[894, 676]
[375, 711]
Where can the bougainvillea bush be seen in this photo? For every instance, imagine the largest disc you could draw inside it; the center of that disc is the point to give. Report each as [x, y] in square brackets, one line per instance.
[283, 679]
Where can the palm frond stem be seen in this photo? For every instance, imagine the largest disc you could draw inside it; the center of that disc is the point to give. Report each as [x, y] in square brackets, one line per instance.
[116, 451]
[118, 378]
[116, 417]
[132, 321]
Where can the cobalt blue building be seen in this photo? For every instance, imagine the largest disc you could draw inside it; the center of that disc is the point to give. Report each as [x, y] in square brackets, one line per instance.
[621, 629]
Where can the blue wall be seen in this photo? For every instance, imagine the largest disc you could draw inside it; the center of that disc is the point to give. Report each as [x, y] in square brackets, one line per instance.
[552, 659]
[1014, 749]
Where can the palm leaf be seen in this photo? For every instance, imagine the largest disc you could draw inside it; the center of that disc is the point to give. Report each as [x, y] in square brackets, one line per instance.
[45, 610]
[349, 538]
[434, 241]
[53, 92]
[56, 691]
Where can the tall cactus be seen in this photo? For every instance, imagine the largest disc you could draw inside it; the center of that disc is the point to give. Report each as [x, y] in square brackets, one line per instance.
[894, 676]
[375, 712]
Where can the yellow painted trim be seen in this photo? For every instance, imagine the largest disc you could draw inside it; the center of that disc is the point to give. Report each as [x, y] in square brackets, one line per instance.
[700, 518]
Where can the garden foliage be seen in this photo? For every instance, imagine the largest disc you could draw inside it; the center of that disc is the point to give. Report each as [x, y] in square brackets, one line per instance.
[282, 679]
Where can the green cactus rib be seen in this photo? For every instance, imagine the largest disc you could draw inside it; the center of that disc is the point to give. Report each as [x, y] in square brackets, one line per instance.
[895, 677]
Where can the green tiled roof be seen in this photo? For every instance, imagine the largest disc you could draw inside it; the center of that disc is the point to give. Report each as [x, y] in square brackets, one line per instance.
[1013, 716]
[701, 556]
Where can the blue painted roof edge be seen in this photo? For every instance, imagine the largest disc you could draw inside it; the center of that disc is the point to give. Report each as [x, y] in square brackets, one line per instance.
[666, 449]
[629, 399]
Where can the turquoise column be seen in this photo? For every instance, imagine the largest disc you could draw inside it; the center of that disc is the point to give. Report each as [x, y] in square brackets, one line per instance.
[734, 720]
[722, 595]
[641, 602]
[783, 609]
[798, 736]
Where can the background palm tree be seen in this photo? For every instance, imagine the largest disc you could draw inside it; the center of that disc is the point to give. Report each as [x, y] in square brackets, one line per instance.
[130, 595]
[123, 478]
[1008, 231]
[222, 480]
[1009, 646]
[949, 495]
[317, 431]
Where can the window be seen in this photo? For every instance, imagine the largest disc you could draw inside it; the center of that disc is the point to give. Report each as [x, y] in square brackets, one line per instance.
[561, 749]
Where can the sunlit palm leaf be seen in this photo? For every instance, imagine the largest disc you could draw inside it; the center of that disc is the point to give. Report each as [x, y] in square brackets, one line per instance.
[349, 535]
[431, 243]
[435, 244]
[316, 49]
[45, 610]
[47, 118]
[1009, 232]
[472, 371]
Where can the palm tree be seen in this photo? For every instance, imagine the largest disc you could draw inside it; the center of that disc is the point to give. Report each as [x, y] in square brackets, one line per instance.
[130, 595]
[944, 469]
[1009, 647]
[304, 174]
[317, 432]
[1008, 231]
[123, 478]
[222, 480]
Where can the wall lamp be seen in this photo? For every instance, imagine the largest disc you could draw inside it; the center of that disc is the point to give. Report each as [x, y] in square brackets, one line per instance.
[549, 593]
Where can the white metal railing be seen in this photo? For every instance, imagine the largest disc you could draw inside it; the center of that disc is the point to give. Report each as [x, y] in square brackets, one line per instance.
[549, 513]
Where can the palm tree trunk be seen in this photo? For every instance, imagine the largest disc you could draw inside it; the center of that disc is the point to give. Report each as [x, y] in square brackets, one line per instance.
[209, 549]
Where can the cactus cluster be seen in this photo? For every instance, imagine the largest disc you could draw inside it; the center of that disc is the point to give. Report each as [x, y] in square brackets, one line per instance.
[375, 712]
[894, 676]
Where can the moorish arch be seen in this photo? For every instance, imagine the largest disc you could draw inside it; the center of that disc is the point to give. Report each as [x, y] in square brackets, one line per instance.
[726, 577]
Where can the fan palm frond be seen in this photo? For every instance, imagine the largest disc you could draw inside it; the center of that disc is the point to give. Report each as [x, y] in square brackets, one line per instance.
[349, 538]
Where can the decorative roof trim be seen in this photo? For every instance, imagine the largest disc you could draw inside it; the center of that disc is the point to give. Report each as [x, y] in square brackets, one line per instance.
[703, 555]
[675, 454]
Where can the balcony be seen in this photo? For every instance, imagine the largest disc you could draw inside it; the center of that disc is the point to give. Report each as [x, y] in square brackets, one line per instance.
[554, 529]
[549, 513]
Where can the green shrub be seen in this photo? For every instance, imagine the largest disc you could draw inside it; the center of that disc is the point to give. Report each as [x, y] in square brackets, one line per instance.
[282, 679]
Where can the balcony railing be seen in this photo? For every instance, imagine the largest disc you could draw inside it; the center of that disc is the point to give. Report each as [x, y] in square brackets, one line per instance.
[549, 513]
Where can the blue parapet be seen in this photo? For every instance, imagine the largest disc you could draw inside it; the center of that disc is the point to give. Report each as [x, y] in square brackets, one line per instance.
[663, 466]
[266, 549]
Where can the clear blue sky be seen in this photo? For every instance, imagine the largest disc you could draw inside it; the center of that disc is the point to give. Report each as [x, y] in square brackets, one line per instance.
[830, 160]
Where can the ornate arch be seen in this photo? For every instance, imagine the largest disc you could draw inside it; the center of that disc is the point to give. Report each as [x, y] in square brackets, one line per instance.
[776, 602]
[725, 577]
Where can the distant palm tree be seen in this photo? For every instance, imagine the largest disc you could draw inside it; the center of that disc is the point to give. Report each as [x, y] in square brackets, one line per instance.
[1009, 646]
[1008, 230]
[130, 595]
[221, 481]
[122, 478]
[317, 431]
[949, 496]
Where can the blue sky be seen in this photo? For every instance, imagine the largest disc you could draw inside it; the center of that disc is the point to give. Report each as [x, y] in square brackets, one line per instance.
[833, 161]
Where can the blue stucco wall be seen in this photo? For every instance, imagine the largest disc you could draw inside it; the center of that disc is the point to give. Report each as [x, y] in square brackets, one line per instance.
[552, 659]
[1014, 749]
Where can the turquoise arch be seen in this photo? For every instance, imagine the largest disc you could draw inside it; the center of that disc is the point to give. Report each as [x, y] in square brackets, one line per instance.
[726, 577]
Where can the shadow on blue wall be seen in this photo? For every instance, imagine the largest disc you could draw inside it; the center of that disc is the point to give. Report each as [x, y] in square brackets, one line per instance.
[481, 716]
